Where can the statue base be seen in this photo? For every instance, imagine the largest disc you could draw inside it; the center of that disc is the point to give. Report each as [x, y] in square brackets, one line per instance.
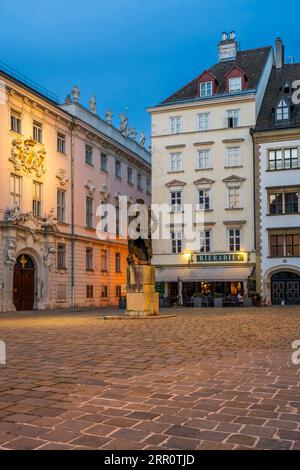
[142, 300]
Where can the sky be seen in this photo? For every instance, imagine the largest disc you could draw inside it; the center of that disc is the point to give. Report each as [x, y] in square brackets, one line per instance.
[132, 54]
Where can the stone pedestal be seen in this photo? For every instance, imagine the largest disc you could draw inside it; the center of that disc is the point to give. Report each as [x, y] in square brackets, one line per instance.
[142, 300]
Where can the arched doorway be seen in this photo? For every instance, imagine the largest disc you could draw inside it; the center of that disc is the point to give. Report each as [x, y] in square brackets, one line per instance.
[23, 291]
[285, 286]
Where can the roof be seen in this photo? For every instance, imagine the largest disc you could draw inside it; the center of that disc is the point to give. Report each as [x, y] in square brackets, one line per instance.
[251, 61]
[266, 117]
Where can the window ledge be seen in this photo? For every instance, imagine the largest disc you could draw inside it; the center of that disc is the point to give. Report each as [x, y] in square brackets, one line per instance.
[234, 208]
[282, 169]
[175, 171]
[203, 169]
[284, 213]
[234, 166]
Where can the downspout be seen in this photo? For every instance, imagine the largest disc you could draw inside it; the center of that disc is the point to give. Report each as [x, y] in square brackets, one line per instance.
[72, 219]
[254, 196]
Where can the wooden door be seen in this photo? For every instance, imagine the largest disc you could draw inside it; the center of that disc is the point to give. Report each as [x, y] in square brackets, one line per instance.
[23, 290]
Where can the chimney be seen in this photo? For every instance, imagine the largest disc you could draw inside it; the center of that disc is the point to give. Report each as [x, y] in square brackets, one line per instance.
[279, 53]
[227, 46]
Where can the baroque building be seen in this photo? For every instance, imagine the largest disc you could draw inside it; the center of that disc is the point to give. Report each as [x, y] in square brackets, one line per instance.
[58, 164]
[277, 185]
[202, 157]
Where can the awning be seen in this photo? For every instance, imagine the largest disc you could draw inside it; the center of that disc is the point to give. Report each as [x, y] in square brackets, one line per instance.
[209, 274]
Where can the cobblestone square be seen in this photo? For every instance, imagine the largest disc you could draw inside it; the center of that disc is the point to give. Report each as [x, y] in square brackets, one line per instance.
[204, 379]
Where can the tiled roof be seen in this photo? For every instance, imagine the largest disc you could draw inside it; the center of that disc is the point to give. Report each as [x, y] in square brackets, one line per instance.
[266, 119]
[251, 62]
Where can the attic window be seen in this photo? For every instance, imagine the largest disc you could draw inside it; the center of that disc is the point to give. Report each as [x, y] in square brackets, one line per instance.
[235, 84]
[282, 111]
[206, 88]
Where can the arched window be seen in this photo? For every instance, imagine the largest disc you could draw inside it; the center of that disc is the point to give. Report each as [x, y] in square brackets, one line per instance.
[282, 110]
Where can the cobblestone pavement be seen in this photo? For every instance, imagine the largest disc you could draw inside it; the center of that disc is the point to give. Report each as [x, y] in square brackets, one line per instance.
[205, 379]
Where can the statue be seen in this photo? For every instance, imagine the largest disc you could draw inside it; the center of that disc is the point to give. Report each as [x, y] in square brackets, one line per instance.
[108, 116]
[68, 99]
[140, 250]
[13, 214]
[47, 257]
[50, 222]
[133, 134]
[93, 106]
[142, 139]
[124, 124]
[75, 93]
[10, 259]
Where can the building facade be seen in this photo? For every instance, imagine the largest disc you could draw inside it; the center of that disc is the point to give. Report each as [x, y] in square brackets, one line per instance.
[58, 164]
[202, 157]
[277, 186]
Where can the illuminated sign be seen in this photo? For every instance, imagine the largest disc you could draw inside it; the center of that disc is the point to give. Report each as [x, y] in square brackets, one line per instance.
[221, 258]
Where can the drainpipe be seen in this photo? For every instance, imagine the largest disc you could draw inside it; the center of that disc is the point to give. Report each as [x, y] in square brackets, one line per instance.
[72, 219]
[254, 192]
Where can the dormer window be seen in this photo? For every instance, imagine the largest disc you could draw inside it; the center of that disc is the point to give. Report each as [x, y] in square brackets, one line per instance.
[206, 89]
[235, 84]
[282, 111]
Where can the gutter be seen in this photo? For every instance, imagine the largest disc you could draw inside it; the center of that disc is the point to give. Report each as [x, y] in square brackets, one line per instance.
[254, 194]
[72, 218]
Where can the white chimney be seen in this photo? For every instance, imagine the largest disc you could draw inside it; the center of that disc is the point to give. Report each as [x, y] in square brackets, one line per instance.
[279, 53]
[227, 46]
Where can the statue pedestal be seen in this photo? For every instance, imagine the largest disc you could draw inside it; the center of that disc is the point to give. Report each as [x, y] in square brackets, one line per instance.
[142, 300]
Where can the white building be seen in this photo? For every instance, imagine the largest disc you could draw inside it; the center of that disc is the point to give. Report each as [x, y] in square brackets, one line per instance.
[202, 155]
[277, 145]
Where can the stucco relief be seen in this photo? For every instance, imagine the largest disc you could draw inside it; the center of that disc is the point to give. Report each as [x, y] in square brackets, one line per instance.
[28, 156]
[48, 257]
[61, 175]
[10, 255]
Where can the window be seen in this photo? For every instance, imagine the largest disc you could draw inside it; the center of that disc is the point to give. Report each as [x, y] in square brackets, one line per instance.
[175, 161]
[129, 175]
[233, 118]
[203, 159]
[275, 203]
[104, 292]
[206, 88]
[61, 205]
[175, 125]
[88, 154]
[61, 256]
[16, 190]
[203, 199]
[148, 185]
[103, 162]
[203, 121]
[282, 111]
[176, 201]
[176, 238]
[233, 157]
[234, 197]
[89, 259]
[61, 143]
[37, 199]
[118, 262]
[280, 159]
[282, 245]
[61, 292]
[15, 122]
[104, 260]
[139, 181]
[37, 132]
[205, 241]
[89, 292]
[284, 202]
[235, 84]
[234, 236]
[118, 168]
[89, 212]
[118, 291]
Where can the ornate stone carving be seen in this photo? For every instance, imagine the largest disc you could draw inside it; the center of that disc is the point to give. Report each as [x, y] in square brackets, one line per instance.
[75, 93]
[104, 192]
[47, 257]
[50, 222]
[133, 134]
[90, 187]
[93, 105]
[124, 124]
[61, 175]
[10, 256]
[142, 139]
[28, 156]
[108, 116]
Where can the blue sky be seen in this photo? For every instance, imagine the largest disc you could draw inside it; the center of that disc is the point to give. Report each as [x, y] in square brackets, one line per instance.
[132, 53]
